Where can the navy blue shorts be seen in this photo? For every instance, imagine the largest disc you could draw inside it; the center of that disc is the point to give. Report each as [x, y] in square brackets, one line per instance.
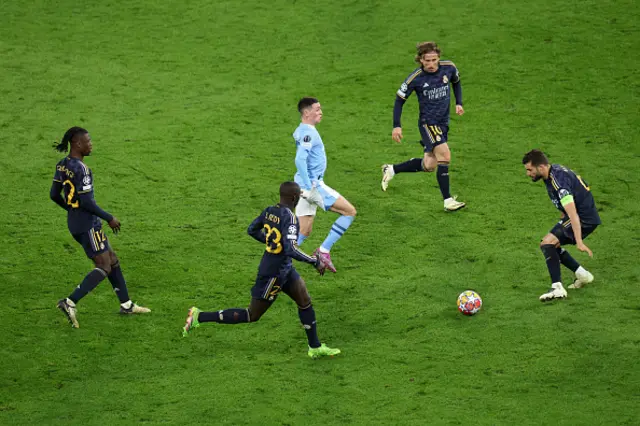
[93, 241]
[268, 288]
[563, 231]
[433, 135]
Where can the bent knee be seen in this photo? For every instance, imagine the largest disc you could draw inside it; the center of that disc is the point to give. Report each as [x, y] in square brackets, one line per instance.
[106, 267]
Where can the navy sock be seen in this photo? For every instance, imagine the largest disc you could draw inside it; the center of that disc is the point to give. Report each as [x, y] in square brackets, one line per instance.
[443, 180]
[553, 262]
[308, 320]
[567, 260]
[118, 283]
[90, 282]
[413, 165]
[226, 316]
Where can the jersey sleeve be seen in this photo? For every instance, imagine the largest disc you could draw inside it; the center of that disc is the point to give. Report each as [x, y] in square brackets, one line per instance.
[256, 228]
[407, 87]
[561, 183]
[290, 229]
[83, 180]
[57, 176]
[455, 75]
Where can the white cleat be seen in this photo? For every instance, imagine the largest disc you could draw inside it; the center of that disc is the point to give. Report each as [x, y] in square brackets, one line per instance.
[556, 292]
[387, 175]
[451, 204]
[582, 279]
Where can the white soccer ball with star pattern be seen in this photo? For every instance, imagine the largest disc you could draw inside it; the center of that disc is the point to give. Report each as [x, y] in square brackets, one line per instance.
[469, 302]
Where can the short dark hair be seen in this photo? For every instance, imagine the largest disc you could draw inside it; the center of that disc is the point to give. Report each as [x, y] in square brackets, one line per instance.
[535, 157]
[426, 47]
[288, 189]
[63, 146]
[306, 102]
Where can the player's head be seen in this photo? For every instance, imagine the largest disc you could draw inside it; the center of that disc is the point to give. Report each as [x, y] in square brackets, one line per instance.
[290, 194]
[428, 55]
[78, 138]
[310, 110]
[536, 164]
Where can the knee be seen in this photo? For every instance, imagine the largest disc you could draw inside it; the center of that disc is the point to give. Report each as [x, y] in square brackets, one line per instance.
[351, 211]
[105, 266]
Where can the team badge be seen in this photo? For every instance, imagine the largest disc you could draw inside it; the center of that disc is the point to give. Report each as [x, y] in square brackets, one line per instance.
[438, 138]
[445, 79]
[86, 180]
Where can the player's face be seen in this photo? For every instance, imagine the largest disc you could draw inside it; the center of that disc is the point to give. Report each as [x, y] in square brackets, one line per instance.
[83, 144]
[314, 113]
[430, 61]
[533, 172]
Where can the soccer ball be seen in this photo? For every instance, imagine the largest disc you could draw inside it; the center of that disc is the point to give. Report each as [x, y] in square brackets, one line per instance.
[469, 302]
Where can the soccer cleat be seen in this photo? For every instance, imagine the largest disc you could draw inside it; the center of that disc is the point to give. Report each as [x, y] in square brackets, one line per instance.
[326, 259]
[134, 309]
[387, 175]
[556, 292]
[69, 311]
[451, 204]
[321, 351]
[192, 321]
[582, 279]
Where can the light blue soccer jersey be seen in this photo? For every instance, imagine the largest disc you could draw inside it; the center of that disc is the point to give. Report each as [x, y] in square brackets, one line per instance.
[311, 160]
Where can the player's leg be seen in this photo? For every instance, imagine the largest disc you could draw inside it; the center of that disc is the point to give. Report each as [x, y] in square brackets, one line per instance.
[116, 278]
[98, 253]
[582, 276]
[297, 290]
[443, 156]
[549, 245]
[336, 203]
[306, 212]
[412, 165]
[263, 294]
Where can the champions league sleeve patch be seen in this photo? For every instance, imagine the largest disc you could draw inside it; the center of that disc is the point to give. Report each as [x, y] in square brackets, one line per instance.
[306, 142]
[292, 233]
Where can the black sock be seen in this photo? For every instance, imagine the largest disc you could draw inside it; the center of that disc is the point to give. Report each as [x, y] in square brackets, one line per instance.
[553, 262]
[443, 180]
[308, 320]
[567, 260]
[226, 316]
[413, 165]
[90, 282]
[117, 282]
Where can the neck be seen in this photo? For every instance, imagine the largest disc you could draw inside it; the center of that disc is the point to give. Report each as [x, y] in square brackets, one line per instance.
[74, 154]
[545, 172]
[288, 204]
[308, 123]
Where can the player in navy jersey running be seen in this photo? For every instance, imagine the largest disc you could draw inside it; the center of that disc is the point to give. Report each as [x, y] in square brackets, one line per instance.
[311, 164]
[572, 196]
[277, 228]
[430, 82]
[75, 179]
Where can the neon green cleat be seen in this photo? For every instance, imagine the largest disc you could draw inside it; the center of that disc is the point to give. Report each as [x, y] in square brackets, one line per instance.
[192, 321]
[323, 350]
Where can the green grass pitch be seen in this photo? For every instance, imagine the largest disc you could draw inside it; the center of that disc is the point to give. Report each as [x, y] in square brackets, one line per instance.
[191, 106]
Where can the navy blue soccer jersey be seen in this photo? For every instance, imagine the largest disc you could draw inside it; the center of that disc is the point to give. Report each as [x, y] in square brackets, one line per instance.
[77, 183]
[277, 227]
[432, 89]
[564, 187]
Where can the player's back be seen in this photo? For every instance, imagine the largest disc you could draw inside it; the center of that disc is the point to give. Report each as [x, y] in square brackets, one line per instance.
[76, 179]
[565, 182]
[278, 223]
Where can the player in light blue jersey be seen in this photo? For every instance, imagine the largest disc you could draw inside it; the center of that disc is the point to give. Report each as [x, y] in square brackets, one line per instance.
[311, 163]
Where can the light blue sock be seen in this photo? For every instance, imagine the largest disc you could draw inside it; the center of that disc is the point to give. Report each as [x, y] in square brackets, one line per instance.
[339, 227]
[301, 238]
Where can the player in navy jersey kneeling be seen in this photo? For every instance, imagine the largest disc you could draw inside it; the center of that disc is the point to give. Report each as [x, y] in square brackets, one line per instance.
[572, 196]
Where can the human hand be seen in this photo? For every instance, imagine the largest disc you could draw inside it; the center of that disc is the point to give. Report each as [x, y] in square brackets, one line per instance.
[396, 134]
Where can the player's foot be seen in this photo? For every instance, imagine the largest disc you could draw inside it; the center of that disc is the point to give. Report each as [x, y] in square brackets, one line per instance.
[134, 309]
[69, 311]
[556, 292]
[192, 321]
[582, 279]
[451, 204]
[387, 175]
[321, 351]
[326, 259]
